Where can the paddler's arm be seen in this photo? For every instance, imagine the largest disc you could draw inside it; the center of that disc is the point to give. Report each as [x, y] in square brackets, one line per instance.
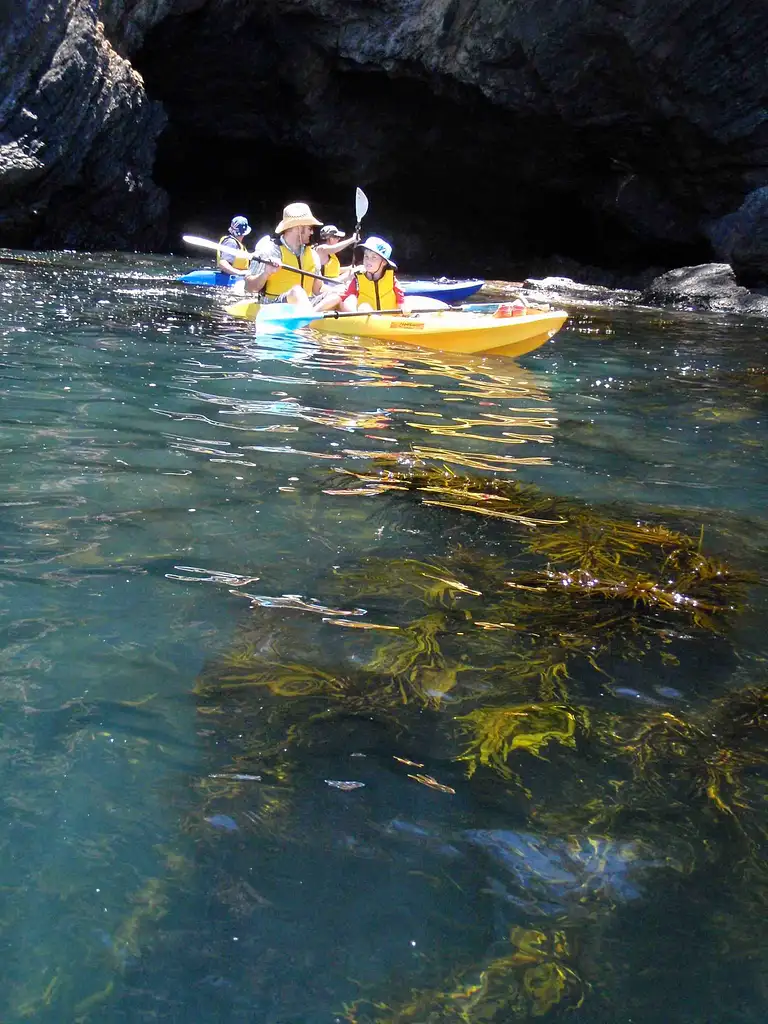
[337, 247]
[349, 296]
[266, 257]
[315, 287]
[226, 268]
[255, 282]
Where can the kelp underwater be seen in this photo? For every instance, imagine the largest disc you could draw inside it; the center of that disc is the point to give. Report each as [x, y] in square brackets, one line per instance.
[537, 666]
[530, 747]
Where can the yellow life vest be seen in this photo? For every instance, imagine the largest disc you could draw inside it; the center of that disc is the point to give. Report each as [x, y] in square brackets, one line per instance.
[238, 262]
[282, 280]
[332, 268]
[378, 294]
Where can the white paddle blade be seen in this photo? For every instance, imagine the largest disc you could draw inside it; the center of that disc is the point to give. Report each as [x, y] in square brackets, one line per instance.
[361, 204]
[286, 312]
[206, 243]
[201, 243]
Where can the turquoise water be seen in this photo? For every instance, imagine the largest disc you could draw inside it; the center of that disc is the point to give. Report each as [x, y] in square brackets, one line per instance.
[166, 480]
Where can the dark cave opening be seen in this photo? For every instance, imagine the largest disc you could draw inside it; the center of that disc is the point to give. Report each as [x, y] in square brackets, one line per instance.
[460, 186]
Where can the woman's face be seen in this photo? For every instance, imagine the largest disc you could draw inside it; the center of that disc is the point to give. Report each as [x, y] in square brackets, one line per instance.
[372, 263]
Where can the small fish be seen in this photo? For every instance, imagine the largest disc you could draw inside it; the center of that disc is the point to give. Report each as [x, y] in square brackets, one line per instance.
[231, 579]
[237, 777]
[427, 780]
[641, 698]
[346, 786]
[296, 601]
[357, 625]
[223, 822]
[668, 691]
[404, 760]
[409, 828]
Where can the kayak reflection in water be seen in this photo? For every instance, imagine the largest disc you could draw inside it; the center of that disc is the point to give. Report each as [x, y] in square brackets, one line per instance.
[373, 286]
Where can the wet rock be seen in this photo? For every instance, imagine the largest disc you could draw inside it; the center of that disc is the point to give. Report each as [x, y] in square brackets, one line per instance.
[708, 287]
[563, 289]
[489, 134]
[741, 238]
[77, 135]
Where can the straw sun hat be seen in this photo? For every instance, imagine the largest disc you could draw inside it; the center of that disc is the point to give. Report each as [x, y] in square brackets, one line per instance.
[296, 215]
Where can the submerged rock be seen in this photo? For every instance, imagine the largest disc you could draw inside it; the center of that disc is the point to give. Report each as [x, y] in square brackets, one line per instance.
[223, 822]
[547, 874]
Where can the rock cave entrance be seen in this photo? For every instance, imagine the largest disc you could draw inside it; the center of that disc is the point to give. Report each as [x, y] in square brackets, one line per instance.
[265, 111]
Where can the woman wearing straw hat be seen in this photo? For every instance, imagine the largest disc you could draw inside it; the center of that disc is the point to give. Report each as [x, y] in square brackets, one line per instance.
[289, 245]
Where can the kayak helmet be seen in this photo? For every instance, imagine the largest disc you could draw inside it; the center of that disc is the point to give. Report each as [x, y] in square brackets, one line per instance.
[240, 226]
[380, 247]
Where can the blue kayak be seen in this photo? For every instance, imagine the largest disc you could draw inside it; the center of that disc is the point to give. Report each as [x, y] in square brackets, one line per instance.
[448, 291]
[209, 277]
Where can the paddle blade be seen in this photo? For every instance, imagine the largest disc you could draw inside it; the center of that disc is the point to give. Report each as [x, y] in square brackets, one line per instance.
[287, 313]
[272, 314]
[207, 243]
[245, 309]
[361, 204]
[201, 243]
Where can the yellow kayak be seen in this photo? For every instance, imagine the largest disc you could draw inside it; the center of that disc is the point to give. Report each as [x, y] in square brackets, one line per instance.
[454, 330]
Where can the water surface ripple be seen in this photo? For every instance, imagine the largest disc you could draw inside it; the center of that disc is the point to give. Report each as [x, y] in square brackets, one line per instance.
[213, 814]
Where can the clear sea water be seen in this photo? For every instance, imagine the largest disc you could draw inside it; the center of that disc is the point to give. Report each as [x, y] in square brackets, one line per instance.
[165, 475]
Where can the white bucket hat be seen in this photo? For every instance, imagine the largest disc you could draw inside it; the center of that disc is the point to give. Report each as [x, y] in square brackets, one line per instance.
[380, 247]
[297, 215]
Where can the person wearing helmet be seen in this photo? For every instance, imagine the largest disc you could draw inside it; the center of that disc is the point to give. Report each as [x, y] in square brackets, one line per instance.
[288, 247]
[374, 286]
[332, 242]
[237, 266]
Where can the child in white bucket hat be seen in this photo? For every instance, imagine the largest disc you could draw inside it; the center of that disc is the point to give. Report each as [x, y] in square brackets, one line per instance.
[374, 285]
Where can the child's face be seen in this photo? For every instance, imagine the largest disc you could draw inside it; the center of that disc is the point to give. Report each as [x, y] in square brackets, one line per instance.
[372, 263]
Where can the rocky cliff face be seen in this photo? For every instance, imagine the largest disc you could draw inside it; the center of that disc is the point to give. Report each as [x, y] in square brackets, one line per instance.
[77, 134]
[489, 134]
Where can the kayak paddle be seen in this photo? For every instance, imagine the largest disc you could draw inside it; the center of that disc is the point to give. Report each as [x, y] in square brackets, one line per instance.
[206, 243]
[287, 313]
[361, 208]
